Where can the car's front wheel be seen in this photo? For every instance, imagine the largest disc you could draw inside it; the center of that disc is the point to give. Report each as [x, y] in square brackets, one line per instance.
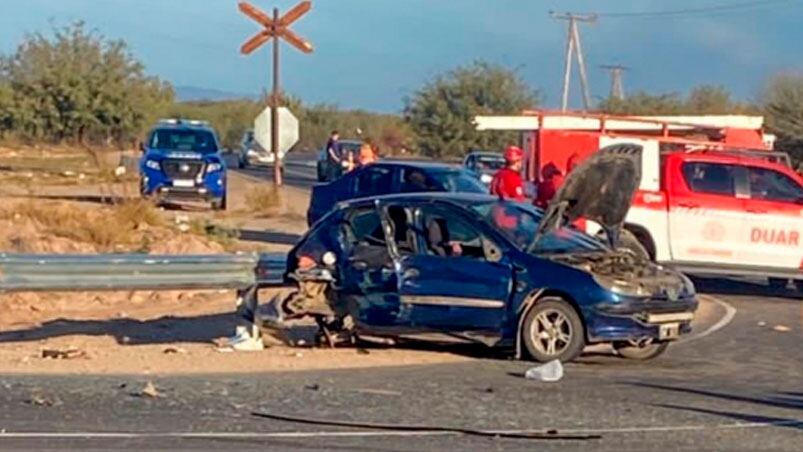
[552, 330]
[640, 350]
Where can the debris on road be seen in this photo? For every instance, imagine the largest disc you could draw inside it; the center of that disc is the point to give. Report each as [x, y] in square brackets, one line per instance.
[174, 351]
[150, 391]
[781, 328]
[70, 353]
[762, 323]
[40, 400]
[549, 372]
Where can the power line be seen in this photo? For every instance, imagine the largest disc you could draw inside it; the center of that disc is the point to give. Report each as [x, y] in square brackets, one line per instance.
[617, 85]
[572, 44]
[700, 10]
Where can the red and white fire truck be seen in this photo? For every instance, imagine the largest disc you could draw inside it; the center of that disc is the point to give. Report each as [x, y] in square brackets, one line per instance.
[714, 197]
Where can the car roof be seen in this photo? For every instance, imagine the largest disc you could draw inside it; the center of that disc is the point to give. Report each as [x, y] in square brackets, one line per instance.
[453, 197]
[421, 164]
[183, 126]
[487, 154]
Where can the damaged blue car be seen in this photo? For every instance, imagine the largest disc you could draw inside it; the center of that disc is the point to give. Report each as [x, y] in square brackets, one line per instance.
[468, 267]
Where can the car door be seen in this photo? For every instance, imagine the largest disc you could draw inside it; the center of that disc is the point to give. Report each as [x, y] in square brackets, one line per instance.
[367, 283]
[707, 214]
[774, 217]
[443, 289]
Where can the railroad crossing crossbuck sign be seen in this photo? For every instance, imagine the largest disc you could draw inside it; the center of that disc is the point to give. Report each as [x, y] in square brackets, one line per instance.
[275, 28]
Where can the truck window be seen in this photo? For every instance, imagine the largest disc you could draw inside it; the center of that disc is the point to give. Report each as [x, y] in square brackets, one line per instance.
[770, 185]
[710, 178]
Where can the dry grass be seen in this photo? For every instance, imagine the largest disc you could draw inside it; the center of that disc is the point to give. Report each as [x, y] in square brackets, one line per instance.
[264, 201]
[224, 236]
[107, 229]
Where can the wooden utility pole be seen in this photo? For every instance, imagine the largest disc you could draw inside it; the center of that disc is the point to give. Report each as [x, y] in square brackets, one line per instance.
[572, 45]
[275, 28]
[617, 85]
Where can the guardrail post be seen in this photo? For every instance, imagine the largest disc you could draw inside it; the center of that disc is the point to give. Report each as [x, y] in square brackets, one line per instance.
[247, 336]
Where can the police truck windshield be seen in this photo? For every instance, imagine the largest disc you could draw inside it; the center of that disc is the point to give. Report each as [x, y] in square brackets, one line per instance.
[202, 141]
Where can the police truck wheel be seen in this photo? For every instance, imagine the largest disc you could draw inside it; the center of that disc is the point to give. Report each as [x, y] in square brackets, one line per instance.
[628, 241]
[552, 330]
[640, 350]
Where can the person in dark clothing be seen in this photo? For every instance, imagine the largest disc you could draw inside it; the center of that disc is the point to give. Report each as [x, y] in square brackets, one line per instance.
[334, 156]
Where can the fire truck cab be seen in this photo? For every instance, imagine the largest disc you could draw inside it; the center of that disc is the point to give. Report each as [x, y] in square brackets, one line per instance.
[714, 198]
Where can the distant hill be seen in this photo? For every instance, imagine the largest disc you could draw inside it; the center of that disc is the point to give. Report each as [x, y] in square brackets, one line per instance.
[194, 93]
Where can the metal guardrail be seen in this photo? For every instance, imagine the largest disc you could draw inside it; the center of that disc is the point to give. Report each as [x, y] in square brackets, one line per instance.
[109, 272]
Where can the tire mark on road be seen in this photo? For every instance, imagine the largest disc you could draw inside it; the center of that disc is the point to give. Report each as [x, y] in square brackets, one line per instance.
[730, 313]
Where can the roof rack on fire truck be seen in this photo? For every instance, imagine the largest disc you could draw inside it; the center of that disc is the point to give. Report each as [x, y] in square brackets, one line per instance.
[709, 132]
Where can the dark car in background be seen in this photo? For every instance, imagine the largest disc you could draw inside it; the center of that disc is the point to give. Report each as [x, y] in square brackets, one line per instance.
[446, 266]
[346, 147]
[181, 162]
[484, 164]
[388, 177]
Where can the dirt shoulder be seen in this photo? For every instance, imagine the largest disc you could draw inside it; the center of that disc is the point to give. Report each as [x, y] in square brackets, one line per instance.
[143, 332]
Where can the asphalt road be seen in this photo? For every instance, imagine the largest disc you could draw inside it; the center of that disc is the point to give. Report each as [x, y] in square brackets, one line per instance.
[737, 384]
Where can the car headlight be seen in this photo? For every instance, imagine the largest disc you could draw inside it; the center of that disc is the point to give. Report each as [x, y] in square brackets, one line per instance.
[486, 178]
[153, 164]
[688, 286]
[212, 167]
[622, 286]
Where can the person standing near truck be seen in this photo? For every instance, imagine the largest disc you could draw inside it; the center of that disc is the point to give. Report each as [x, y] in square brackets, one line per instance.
[334, 155]
[507, 182]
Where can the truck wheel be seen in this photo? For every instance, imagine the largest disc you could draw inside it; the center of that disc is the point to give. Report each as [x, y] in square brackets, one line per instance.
[639, 350]
[628, 241]
[220, 204]
[799, 286]
[552, 330]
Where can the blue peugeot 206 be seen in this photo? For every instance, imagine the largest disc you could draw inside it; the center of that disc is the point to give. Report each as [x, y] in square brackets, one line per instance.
[469, 267]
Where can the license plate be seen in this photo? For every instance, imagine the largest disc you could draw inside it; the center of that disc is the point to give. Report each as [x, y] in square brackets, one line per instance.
[183, 183]
[668, 331]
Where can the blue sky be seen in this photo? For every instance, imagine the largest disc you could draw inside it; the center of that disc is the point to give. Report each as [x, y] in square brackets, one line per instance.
[371, 53]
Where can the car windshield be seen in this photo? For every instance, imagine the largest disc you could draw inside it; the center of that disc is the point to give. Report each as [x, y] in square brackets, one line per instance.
[490, 163]
[519, 222]
[458, 181]
[184, 140]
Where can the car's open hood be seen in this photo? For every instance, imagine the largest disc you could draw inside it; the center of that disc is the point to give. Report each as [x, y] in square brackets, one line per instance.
[599, 189]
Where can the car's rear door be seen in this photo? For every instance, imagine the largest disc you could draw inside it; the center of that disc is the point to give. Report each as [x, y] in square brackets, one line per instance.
[774, 219]
[443, 289]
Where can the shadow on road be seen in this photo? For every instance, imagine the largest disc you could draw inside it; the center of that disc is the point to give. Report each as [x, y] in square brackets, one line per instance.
[784, 400]
[168, 329]
[788, 400]
[722, 286]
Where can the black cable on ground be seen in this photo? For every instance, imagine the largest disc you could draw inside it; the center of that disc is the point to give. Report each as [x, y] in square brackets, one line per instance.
[549, 435]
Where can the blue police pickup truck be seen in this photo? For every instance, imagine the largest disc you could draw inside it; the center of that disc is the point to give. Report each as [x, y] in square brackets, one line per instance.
[181, 162]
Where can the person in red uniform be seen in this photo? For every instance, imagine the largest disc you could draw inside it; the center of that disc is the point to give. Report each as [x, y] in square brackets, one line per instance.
[507, 182]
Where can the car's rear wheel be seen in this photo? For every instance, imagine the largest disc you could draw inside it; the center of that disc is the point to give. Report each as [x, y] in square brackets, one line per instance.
[799, 286]
[552, 330]
[641, 350]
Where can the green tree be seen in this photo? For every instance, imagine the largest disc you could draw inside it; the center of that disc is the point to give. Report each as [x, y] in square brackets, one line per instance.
[441, 113]
[642, 103]
[783, 109]
[77, 85]
[709, 100]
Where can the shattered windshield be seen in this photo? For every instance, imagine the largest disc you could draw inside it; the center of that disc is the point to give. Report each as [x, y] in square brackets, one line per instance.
[519, 222]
